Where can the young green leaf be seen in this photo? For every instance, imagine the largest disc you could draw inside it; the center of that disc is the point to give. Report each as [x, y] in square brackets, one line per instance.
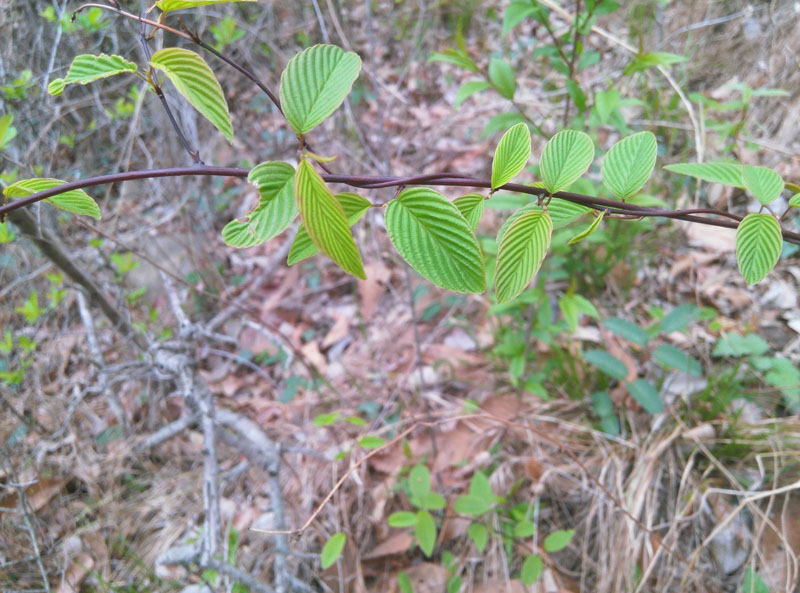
[419, 481]
[520, 253]
[87, 68]
[436, 240]
[354, 206]
[276, 207]
[425, 531]
[479, 486]
[76, 201]
[402, 519]
[471, 208]
[516, 12]
[647, 395]
[404, 583]
[432, 501]
[502, 77]
[670, 356]
[468, 89]
[629, 163]
[765, 184]
[170, 5]
[371, 442]
[531, 569]
[652, 59]
[626, 329]
[511, 155]
[458, 58]
[479, 535]
[715, 172]
[565, 158]
[758, 246]
[607, 363]
[524, 528]
[326, 419]
[196, 82]
[314, 84]
[558, 540]
[333, 549]
[794, 201]
[472, 505]
[605, 102]
[589, 229]
[325, 220]
[7, 131]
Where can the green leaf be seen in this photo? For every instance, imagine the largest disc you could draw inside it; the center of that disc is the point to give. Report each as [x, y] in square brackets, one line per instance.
[577, 95]
[472, 505]
[651, 60]
[404, 583]
[325, 220]
[425, 531]
[565, 158]
[520, 253]
[7, 131]
[432, 502]
[276, 208]
[605, 102]
[76, 201]
[588, 230]
[679, 318]
[314, 84]
[436, 240]
[333, 549]
[470, 88]
[715, 172]
[516, 12]
[501, 122]
[794, 201]
[629, 163]
[531, 569]
[87, 68]
[471, 208]
[753, 583]
[524, 528]
[479, 535]
[326, 419]
[402, 519]
[558, 540]
[502, 77]
[354, 206]
[607, 363]
[647, 395]
[511, 155]
[670, 356]
[626, 329]
[170, 5]
[453, 56]
[371, 442]
[479, 486]
[758, 246]
[563, 212]
[603, 406]
[196, 82]
[765, 184]
[419, 481]
[737, 346]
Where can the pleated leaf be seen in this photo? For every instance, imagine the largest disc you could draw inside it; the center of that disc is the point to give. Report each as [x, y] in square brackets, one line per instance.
[276, 208]
[325, 220]
[314, 84]
[511, 155]
[354, 206]
[87, 68]
[196, 82]
[715, 172]
[629, 163]
[471, 208]
[562, 212]
[565, 158]
[794, 201]
[758, 246]
[434, 238]
[170, 5]
[76, 201]
[520, 253]
[765, 184]
[588, 230]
